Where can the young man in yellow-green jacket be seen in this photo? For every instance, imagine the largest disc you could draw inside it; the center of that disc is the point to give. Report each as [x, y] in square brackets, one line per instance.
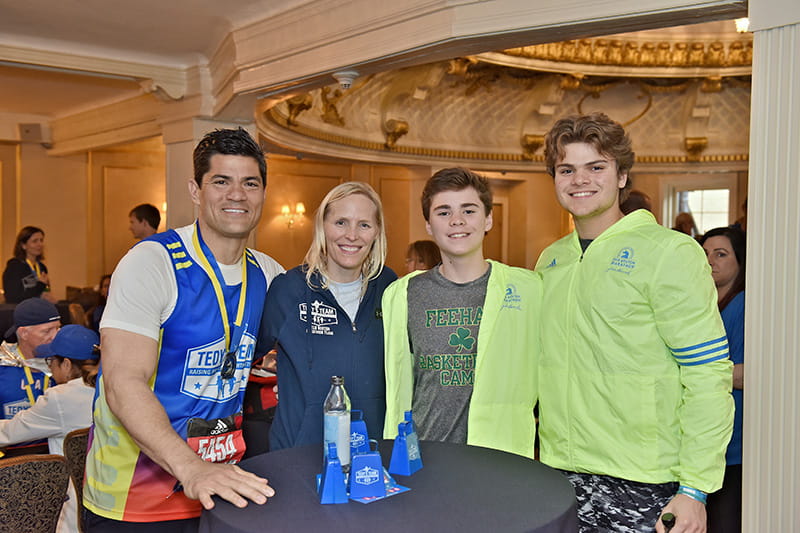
[460, 341]
[635, 380]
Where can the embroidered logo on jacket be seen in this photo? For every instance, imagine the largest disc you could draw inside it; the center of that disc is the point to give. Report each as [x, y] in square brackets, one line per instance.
[623, 262]
[322, 317]
[512, 299]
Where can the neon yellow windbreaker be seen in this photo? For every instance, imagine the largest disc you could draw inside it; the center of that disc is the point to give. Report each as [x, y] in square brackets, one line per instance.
[634, 380]
[505, 385]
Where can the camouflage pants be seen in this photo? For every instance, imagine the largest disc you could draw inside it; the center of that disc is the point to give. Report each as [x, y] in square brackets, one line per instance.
[609, 504]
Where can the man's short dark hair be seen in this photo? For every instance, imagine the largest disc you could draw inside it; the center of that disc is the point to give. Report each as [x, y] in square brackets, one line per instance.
[147, 212]
[456, 179]
[227, 142]
[597, 129]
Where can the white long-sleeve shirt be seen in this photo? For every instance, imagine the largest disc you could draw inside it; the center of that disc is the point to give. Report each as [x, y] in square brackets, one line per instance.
[58, 411]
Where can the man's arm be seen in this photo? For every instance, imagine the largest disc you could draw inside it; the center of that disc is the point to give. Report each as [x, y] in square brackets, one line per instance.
[40, 421]
[129, 361]
[689, 322]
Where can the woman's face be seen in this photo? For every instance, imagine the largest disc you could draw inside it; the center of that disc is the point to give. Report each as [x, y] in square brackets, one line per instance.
[34, 247]
[351, 227]
[61, 369]
[415, 262]
[724, 267]
[104, 285]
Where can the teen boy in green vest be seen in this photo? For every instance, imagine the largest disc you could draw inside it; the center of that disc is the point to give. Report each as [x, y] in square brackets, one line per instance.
[459, 338]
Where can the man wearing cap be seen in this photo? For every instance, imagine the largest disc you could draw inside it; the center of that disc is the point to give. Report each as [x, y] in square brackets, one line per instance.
[72, 358]
[23, 378]
[178, 336]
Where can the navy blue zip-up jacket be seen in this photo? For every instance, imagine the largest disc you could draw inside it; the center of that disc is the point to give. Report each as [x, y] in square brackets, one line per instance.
[316, 340]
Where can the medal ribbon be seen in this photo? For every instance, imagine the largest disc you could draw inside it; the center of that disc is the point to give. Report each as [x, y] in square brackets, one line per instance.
[34, 267]
[29, 384]
[209, 264]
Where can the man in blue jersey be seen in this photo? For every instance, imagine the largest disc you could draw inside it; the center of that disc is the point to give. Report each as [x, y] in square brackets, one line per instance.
[23, 377]
[178, 335]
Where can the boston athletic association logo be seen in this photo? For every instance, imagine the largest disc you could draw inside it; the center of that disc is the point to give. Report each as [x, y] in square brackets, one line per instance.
[623, 262]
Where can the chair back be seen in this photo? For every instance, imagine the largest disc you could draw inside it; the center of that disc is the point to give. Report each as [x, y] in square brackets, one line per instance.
[32, 491]
[75, 447]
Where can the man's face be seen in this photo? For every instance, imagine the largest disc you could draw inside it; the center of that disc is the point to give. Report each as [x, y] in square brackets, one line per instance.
[457, 222]
[139, 228]
[34, 336]
[587, 182]
[231, 197]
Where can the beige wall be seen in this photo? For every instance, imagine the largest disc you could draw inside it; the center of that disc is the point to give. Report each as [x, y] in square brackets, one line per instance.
[80, 201]
[121, 179]
[51, 194]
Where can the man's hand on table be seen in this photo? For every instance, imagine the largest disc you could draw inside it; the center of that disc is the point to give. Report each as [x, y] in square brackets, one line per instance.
[203, 480]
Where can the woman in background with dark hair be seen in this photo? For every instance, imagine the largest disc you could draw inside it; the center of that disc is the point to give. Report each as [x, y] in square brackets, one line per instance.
[96, 313]
[725, 248]
[25, 275]
[422, 255]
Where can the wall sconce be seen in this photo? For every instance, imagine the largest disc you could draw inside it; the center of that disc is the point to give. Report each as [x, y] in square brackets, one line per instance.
[289, 216]
[742, 25]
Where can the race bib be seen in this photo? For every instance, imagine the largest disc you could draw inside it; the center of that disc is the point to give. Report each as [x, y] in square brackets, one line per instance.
[217, 441]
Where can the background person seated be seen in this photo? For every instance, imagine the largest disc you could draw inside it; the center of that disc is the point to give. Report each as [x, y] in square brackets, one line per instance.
[36, 322]
[72, 358]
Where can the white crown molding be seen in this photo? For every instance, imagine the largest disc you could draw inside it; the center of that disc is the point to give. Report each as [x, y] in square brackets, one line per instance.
[171, 80]
[96, 141]
[304, 46]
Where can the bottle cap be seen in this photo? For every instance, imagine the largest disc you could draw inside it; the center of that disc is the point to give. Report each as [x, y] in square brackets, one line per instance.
[337, 380]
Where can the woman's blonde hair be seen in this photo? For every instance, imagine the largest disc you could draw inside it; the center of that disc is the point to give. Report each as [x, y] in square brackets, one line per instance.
[316, 259]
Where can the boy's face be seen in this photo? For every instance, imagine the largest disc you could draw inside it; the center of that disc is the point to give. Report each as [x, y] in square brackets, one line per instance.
[457, 222]
[587, 182]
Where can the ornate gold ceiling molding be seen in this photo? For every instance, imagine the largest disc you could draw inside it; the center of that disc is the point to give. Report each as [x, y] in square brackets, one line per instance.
[624, 53]
[526, 155]
[276, 116]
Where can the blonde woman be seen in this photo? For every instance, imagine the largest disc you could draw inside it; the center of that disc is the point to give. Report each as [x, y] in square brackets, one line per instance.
[324, 318]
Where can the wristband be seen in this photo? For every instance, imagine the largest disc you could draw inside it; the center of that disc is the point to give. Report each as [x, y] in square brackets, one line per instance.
[694, 494]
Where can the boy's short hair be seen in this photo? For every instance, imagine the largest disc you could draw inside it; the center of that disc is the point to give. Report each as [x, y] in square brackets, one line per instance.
[456, 179]
[597, 129]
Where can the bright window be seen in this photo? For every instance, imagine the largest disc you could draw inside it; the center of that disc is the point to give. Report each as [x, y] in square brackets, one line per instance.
[709, 208]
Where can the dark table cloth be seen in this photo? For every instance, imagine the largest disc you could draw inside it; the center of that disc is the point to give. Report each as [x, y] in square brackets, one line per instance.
[460, 488]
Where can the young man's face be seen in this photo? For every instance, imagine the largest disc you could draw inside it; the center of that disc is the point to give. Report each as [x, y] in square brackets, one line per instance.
[587, 182]
[231, 197]
[457, 222]
[139, 228]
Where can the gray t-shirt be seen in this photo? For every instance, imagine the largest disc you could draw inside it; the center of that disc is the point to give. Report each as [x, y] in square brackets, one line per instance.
[443, 322]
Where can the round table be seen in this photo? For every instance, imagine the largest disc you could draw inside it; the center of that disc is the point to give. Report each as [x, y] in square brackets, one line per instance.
[460, 488]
